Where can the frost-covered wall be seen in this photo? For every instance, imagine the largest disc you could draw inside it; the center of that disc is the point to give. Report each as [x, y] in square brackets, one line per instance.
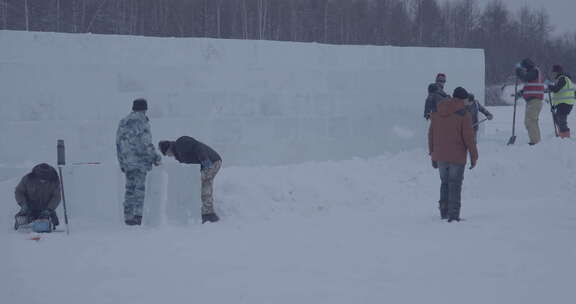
[256, 102]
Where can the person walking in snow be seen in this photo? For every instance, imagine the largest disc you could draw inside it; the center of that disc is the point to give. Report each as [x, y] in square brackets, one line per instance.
[191, 151]
[38, 195]
[435, 95]
[474, 107]
[533, 94]
[563, 99]
[136, 155]
[450, 138]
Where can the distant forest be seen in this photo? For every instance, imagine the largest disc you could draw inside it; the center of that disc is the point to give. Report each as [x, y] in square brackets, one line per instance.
[507, 36]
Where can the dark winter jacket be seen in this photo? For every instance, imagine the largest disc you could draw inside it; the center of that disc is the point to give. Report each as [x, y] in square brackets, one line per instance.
[39, 189]
[190, 151]
[526, 75]
[435, 95]
[451, 135]
[530, 74]
[474, 109]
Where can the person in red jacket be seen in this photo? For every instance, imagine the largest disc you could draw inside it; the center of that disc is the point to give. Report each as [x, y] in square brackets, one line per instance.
[450, 138]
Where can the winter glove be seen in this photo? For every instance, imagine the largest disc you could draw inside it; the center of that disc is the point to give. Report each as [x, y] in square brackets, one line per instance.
[490, 116]
[157, 160]
[434, 164]
[473, 164]
[46, 214]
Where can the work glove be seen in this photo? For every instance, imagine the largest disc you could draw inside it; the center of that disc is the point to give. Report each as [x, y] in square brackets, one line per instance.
[490, 116]
[434, 164]
[473, 164]
[46, 214]
[157, 160]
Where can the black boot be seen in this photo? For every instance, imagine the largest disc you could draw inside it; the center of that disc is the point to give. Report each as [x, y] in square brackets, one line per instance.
[210, 217]
[134, 221]
[443, 206]
[23, 217]
[453, 211]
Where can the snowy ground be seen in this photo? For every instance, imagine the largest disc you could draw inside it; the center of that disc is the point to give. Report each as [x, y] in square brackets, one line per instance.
[355, 231]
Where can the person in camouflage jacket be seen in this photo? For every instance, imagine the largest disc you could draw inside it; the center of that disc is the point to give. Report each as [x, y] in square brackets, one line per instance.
[136, 155]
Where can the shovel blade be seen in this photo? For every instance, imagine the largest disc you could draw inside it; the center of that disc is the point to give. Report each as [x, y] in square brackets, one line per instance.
[512, 140]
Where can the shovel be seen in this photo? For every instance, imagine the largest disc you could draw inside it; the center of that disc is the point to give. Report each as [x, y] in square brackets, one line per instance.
[512, 139]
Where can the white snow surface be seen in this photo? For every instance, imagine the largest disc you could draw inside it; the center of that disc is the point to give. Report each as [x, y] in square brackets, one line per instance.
[353, 230]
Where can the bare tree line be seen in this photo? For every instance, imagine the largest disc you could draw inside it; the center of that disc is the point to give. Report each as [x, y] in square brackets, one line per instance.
[507, 36]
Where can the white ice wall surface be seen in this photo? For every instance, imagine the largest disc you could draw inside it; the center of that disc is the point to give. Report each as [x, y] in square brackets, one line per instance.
[256, 102]
[95, 194]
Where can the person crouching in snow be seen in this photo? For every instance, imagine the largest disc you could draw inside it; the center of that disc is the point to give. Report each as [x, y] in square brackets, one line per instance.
[450, 138]
[475, 107]
[190, 151]
[38, 195]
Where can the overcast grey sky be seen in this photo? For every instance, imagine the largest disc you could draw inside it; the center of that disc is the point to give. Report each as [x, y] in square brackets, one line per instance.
[562, 12]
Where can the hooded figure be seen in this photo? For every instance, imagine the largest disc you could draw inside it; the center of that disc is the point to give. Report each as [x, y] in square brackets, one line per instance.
[435, 96]
[38, 195]
[450, 138]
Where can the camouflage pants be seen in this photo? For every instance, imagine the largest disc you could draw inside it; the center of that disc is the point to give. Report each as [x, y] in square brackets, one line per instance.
[134, 195]
[207, 176]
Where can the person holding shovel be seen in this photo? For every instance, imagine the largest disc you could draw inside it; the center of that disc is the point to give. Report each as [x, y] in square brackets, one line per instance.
[474, 107]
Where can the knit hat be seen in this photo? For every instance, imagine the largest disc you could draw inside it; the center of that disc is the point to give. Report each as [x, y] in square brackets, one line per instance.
[164, 145]
[140, 104]
[45, 172]
[441, 77]
[527, 63]
[557, 69]
[460, 93]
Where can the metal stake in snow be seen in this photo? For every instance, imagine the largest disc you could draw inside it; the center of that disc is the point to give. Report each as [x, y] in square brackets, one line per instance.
[61, 162]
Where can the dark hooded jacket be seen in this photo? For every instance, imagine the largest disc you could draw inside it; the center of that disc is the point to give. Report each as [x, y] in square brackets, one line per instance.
[451, 136]
[474, 109]
[39, 189]
[435, 95]
[190, 151]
